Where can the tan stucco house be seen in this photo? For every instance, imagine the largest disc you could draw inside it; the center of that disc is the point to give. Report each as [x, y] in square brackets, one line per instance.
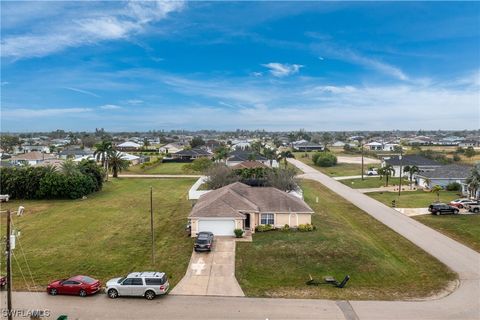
[239, 206]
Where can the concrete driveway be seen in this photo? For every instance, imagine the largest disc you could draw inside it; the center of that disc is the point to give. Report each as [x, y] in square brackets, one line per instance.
[213, 273]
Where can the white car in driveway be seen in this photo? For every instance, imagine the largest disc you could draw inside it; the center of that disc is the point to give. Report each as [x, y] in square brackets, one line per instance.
[140, 284]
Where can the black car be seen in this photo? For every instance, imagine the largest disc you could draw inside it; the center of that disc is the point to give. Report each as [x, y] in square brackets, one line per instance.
[204, 241]
[442, 208]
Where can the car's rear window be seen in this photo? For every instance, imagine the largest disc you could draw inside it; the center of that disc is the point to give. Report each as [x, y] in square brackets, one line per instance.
[88, 279]
[155, 281]
[202, 241]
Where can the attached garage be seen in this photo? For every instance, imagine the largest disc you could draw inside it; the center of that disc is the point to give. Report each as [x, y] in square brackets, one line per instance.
[219, 227]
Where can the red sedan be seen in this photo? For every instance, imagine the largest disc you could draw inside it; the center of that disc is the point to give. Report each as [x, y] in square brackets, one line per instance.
[77, 285]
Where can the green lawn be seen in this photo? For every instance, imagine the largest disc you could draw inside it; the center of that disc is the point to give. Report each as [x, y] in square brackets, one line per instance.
[339, 170]
[107, 235]
[373, 182]
[463, 228]
[159, 168]
[381, 263]
[413, 199]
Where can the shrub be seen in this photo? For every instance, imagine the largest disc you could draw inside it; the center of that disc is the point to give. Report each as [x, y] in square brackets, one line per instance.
[306, 227]
[324, 159]
[264, 228]
[286, 227]
[453, 186]
[238, 233]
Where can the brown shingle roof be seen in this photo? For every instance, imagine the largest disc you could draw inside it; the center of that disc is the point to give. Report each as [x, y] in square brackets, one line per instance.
[249, 165]
[30, 156]
[232, 200]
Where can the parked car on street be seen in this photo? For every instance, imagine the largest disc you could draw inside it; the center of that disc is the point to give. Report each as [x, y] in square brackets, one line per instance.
[462, 203]
[442, 208]
[204, 241]
[77, 285]
[372, 172]
[4, 197]
[475, 208]
[140, 284]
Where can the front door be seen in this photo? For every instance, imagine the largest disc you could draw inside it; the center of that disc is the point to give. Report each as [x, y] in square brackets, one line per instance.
[247, 221]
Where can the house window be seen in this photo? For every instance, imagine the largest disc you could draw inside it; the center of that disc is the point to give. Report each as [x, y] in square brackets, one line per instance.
[266, 218]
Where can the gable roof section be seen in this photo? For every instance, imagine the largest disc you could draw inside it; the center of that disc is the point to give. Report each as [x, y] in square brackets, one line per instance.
[232, 200]
[452, 171]
[412, 160]
[193, 152]
[250, 164]
[241, 156]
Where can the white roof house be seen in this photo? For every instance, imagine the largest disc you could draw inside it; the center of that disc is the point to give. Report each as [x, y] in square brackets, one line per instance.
[129, 144]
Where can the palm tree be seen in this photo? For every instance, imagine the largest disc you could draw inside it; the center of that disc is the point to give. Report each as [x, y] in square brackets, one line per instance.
[473, 181]
[102, 151]
[282, 156]
[437, 190]
[117, 163]
[387, 171]
[221, 153]
[411, 171]
[69, 168]
[146, 143]
[269, 154]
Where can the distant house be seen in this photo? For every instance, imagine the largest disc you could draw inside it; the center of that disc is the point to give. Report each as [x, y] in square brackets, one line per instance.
[240, 145]
[30, 158]
[212, 145]
[445, 175]
[239, 156]
[423, 164]
[238, 206]
[374, 146]
[128, 146]
[131, 158]
[249, 164]
[191, 154]
[74, 153]
[307, 146]
[171, 148]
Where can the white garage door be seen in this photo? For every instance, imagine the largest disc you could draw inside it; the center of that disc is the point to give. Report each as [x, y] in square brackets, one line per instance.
[218, 227]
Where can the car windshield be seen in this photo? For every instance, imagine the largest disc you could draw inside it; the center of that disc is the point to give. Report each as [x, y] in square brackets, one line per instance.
[120, 280]
[86, 279]
[202, 241]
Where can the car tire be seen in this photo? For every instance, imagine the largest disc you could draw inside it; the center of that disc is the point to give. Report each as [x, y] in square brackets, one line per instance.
[476, 210]
[112, 294]
[82, 293]
[150, 295]
[456, 211]
[53, 292]
[437, 213]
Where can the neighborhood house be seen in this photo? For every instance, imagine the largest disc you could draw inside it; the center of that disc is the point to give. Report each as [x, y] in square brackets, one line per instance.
[423, 164]
[444, 175]
[239, 206]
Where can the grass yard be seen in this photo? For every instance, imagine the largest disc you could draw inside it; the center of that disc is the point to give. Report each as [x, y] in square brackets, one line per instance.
[413, 199]
[381, 263]
[463, 228]
[106, 235]
[159, 168]
[339, 170]
[373, 182]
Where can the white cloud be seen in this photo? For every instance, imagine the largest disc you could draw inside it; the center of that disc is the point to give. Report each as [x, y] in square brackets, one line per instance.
[88, 27]
[110, 107]
[4, 83]
[134, 101]
[282, 70]
[82, 91]
[48, 112]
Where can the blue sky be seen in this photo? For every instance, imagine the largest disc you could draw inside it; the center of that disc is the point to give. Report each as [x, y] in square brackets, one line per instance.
[227, 65]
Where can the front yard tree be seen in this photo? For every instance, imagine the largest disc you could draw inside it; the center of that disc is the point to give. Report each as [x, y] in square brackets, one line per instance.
[221, 153]
[282, 179]
[411, 170]
[117, 163]
[102, 151]
[8, 143]
[469, 152]
[436, 189]
[326, 139]
[473, 181]
[386, 172]
[219, 175]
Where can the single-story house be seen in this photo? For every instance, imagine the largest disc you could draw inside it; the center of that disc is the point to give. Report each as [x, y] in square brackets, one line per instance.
[374, 146]
[74, 153]
[469, 143]
[31, 158]
[191, 154]
[239, 156]
[171, 148]
[238, 206]
[128, 146]
[250, 164]
[423, 164]
[444, 175]
[307, 146]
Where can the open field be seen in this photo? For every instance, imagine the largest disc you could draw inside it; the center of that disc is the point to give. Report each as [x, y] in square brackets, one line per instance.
[463, 228]
[413, 199]
[373, 182]
[339, 170]
[381, 263]
[159, 168]
[106, 235]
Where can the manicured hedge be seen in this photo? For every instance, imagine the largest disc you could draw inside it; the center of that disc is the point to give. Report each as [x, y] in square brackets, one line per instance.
[46, 183]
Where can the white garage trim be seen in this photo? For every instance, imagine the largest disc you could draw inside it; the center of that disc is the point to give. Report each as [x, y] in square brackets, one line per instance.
[219, 226]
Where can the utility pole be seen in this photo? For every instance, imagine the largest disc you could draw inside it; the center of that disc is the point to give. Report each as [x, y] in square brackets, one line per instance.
[9, 269]
[362, 160]
[151, 226]
[400, 184]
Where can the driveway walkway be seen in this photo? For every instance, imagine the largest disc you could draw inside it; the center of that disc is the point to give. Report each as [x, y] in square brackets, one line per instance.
[464, 303]
[213, 273]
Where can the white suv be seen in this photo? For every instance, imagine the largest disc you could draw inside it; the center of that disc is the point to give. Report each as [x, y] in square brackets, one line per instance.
[144, 284]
